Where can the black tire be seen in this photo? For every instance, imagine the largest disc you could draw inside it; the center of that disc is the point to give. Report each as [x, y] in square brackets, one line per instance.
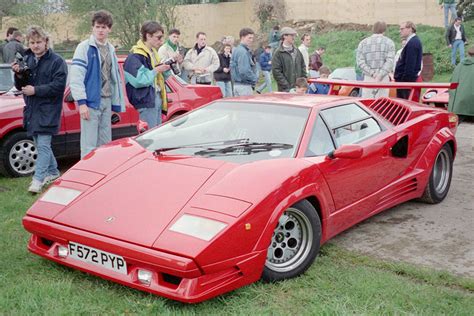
[295, 243]
[354, 93]
[17, 155]
[440, 178]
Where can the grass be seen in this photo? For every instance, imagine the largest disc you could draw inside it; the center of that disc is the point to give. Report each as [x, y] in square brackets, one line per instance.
[340, 282]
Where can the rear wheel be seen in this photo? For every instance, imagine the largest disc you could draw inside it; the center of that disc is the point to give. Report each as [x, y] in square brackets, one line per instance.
[440, 178]
[18, 155]
[295, 243]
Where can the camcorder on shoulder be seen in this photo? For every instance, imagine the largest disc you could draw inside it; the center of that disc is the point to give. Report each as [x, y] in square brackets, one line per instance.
[23, 68]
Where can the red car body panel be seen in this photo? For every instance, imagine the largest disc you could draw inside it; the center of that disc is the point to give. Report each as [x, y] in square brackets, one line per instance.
[249, 198]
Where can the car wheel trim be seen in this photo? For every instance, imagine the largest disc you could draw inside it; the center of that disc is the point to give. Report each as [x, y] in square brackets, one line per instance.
[441, 172]
[291, 241]
[22, 156]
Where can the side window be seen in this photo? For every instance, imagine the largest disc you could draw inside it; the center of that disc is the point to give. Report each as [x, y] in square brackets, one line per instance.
[321, 142]
[356, 132]
[350, 123]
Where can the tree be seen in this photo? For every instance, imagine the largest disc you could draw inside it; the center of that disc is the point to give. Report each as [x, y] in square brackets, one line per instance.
[36, 12]
[6, 7]
[269, 12]
[128, 15]
[466, 9]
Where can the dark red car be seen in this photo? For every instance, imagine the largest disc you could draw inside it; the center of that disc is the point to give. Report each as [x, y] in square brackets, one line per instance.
[17, 151]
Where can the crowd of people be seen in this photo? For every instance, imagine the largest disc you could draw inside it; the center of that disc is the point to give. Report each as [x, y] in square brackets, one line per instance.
[95, 81]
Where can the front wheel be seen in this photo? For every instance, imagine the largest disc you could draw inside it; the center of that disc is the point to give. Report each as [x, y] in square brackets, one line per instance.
[440, 178]
[295, 243]
[18, 155]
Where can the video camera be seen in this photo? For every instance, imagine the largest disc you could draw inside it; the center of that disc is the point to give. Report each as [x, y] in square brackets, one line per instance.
[23, 67]
[173, 65]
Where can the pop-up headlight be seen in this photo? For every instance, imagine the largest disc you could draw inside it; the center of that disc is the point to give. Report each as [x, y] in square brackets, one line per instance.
[60, 195]
[199, 227]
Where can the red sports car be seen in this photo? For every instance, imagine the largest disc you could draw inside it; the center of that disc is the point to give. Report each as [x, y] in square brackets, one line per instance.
[17, 151]
[240, 189]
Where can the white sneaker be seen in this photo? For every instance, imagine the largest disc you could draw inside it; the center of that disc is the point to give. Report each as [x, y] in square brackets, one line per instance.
[50, 178]
[35, 186]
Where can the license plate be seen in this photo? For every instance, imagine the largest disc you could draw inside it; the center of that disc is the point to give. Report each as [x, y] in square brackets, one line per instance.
[98, 257]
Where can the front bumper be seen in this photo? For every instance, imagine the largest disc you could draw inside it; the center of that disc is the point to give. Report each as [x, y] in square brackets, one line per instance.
[175, 277]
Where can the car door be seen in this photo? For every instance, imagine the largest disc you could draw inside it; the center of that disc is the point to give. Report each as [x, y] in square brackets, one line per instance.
[353, 181]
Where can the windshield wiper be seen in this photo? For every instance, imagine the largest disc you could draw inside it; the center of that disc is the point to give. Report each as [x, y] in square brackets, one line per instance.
[240, 149]
[206, 146]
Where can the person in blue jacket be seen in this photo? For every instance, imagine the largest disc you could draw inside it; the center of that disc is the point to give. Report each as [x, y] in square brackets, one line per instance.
[144, 75]
[265, 61]
[96, 84]
[42, 85]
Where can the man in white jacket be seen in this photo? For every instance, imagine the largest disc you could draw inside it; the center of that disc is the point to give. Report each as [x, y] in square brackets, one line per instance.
[201, 61]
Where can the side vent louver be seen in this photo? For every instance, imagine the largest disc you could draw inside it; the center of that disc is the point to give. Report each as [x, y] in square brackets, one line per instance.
[394, 112]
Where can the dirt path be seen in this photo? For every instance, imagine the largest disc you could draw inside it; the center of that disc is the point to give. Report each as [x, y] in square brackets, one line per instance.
[439, 236]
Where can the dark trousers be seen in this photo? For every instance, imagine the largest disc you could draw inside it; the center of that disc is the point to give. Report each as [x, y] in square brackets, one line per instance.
[404, 93]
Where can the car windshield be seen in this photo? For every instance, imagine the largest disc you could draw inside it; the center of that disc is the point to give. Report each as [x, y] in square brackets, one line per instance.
[237, 132]
[6, 78]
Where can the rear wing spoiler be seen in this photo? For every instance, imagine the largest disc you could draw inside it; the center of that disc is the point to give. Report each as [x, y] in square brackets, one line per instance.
[415, 87]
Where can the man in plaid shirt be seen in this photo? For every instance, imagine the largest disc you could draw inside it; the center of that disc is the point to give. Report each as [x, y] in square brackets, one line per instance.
[375, 57]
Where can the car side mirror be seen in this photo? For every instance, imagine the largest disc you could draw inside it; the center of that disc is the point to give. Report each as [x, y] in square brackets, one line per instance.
[347, 152]
[68, 97]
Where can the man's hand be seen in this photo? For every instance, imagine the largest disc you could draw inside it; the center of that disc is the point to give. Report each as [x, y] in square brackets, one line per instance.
[28, 90]
[16, 68]
[378, 78]
[269, 62]
[226, 70]
[179, 58]
[84, 112]
[450, 46]
[162, 68]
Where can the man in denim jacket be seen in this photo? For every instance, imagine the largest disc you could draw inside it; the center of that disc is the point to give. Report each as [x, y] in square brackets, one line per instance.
[243, 68]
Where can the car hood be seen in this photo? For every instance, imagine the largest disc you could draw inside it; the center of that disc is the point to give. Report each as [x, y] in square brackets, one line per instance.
[137, 205]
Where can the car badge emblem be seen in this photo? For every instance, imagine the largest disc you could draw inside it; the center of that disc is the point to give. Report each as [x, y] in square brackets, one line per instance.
[110, 219]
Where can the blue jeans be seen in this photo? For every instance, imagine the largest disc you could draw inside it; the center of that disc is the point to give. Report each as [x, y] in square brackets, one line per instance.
[97, 130]
[45, 162]
[267, 83]
[226, 88]
[449, 7]
[152, 116]
[457, 44]
[242, 89]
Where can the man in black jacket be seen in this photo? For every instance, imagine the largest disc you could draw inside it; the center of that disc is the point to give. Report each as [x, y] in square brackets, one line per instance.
[42, 84]
[408, 66]
[456, 38]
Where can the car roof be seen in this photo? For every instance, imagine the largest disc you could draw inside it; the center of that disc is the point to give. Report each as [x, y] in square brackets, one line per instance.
[284, 98]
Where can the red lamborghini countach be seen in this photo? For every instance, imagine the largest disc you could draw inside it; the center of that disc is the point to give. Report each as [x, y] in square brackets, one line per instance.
[240, 189]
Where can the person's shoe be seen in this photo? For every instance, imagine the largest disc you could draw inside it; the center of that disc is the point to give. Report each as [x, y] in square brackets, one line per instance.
[35, 187]
[259, 92]
[50, 178]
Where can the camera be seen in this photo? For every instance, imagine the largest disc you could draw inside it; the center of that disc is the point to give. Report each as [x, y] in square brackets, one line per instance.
[23, 67]
[173, 65]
